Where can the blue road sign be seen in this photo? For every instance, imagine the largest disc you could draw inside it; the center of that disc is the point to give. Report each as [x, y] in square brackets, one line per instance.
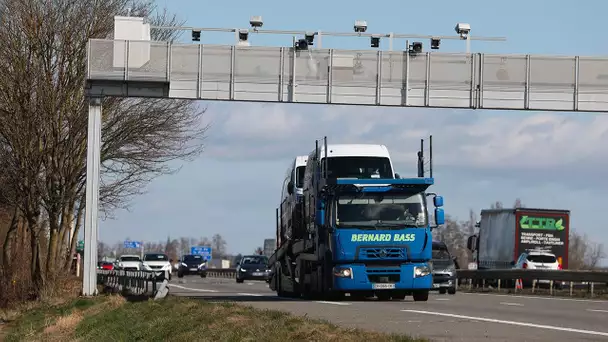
[133, 244]
[201, 250]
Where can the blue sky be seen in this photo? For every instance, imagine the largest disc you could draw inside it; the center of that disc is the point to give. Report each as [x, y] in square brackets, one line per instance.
[549, 160]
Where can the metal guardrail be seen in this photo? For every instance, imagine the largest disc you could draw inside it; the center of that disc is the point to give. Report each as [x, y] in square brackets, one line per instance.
[221, 272]
[141, 283]
[508, 277]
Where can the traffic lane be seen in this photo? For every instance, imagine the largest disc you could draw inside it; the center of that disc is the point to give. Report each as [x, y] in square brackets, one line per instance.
[575, 314]
[435, 319]
[570, 319]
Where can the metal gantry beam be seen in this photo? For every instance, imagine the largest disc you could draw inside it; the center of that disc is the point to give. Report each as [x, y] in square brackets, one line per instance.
[355, 77]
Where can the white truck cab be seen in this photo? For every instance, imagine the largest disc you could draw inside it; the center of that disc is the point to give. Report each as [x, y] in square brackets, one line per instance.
[358, 161]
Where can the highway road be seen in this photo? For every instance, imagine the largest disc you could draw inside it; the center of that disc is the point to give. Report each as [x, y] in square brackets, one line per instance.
[461, 317]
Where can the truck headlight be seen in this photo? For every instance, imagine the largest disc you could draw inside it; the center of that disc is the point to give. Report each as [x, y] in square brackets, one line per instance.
[421, 271]
[343, 272]
[243, 270]
[184, 264]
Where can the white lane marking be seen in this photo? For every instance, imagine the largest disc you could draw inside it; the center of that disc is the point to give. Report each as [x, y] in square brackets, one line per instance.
[251, 294]
[593, 310]
[523, 324]
[539, 297]
[332, 303]
[191, 289]
[511, 304]
[442, 298]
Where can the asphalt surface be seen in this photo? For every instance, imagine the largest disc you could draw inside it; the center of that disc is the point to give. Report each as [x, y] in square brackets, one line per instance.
[461, 317]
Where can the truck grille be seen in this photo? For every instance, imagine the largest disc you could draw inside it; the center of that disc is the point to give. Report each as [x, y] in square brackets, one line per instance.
[384, 275]
[382, 253]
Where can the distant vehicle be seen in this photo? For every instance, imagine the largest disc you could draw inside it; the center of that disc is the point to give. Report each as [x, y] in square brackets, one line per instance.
[504, 234]
[192, 264]
[158, 262]
[252, 267]
[538, 260]
[128, 262]
[444, 269]
[107, 266]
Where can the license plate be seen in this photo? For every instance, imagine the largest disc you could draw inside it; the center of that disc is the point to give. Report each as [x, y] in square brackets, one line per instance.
[193, 269]
[435, 285]
[258, 274]
[382, 286]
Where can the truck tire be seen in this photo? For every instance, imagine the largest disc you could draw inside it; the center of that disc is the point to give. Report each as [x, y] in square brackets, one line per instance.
[442, 291]
[180, 274]
[239, 280]
[421, 296]
[452, 291]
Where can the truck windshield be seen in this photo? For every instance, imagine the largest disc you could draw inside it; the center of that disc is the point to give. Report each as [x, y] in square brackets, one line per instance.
[381, 211]
[358, 167]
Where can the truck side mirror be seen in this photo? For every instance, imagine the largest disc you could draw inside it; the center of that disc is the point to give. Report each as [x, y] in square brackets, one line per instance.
[472, 243]
[397, 176]
[438, 201]
[439, 216]
[290, 188]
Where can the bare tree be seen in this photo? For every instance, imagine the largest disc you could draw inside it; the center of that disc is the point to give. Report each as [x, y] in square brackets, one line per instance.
[259, 251]
[43, 120]
[518, 204]
[219, 246]
[584, 253]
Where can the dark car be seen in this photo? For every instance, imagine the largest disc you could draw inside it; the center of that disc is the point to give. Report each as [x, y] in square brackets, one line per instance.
[252, 267]
[444, 269]
[192, 264]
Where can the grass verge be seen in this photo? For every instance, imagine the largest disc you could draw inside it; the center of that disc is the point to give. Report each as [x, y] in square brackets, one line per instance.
[111, 318]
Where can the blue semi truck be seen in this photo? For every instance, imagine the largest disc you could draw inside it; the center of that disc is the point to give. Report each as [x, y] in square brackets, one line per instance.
[359, 229]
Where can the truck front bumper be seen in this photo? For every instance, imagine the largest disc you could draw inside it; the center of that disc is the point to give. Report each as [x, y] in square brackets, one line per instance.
[360, 277]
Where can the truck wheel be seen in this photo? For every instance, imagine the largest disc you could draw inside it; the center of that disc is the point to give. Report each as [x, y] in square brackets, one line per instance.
[180, 274]
[442, 291]
[421, 296]
[239, 280]
[204, 275]
[452, 290]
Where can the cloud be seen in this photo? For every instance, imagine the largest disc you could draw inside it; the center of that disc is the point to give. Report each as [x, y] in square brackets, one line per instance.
[537, 146]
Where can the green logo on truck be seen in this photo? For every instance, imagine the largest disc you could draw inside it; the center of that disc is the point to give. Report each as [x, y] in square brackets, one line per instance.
[543, 223]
